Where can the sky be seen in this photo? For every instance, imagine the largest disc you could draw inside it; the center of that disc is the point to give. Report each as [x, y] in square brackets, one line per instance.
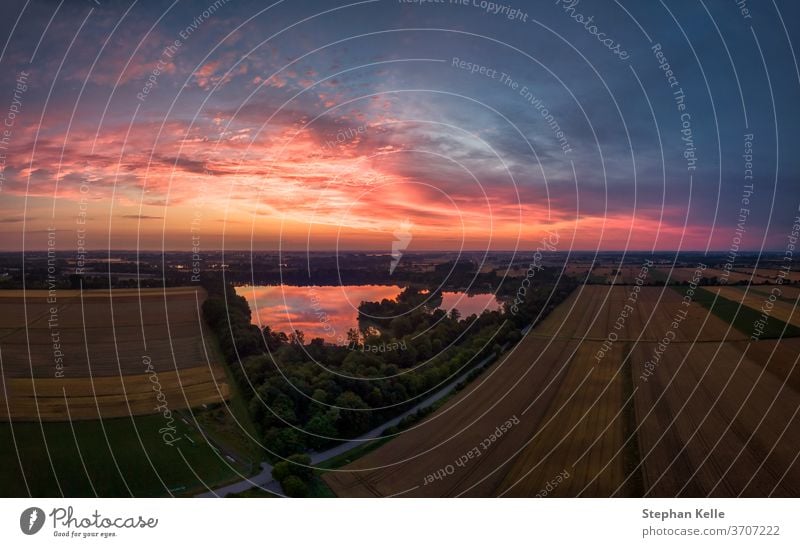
[471, 125]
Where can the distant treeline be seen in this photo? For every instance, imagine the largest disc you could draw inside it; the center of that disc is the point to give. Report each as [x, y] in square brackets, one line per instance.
[451, 275]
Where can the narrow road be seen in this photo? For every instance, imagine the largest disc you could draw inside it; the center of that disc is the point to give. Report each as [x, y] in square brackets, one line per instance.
[264, 478]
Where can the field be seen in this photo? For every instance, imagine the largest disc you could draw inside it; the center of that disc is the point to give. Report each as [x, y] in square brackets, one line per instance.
[685, 275]
[110, 458]
[713, 416]
[609, 273]
[746, 319]
[137, 405]
[616, 275]
[771, 275]
[789, 293]
[757, 297]
[104, 354]
[761, 276]
[715, 422]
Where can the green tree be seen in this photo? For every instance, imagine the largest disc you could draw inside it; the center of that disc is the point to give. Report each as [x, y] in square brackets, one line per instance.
[400, 326]
[294, 487]
[352, 422]
[300, 466]
[353, 337]
[283, 441]
[321, 426]
[280, 471]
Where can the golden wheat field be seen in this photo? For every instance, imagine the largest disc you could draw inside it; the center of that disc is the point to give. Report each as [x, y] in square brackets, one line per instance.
[781, 307]
[708, 419]
[91, 354]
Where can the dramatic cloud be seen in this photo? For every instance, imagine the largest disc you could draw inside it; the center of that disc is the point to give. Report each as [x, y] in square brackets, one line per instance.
[291, 127]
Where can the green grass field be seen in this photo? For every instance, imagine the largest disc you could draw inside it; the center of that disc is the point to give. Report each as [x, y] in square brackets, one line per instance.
[741, 316]
[107, 463]
[231, 427]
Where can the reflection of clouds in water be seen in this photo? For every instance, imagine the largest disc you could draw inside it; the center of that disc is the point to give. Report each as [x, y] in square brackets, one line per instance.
[320, 312]
[329, 312]
[467, 305]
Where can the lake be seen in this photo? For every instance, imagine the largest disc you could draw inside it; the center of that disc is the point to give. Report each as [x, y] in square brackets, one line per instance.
[329, 312]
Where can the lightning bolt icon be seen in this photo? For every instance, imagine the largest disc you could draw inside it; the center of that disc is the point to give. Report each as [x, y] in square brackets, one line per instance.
[33, 518]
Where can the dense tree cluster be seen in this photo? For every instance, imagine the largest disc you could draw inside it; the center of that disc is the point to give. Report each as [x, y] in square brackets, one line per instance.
[228, 315]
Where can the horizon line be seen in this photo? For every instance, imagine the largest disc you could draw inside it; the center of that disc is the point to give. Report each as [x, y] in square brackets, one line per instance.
[388, 253]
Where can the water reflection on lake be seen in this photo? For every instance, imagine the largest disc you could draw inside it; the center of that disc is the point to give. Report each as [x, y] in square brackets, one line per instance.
[329, 312]
[467, 305]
